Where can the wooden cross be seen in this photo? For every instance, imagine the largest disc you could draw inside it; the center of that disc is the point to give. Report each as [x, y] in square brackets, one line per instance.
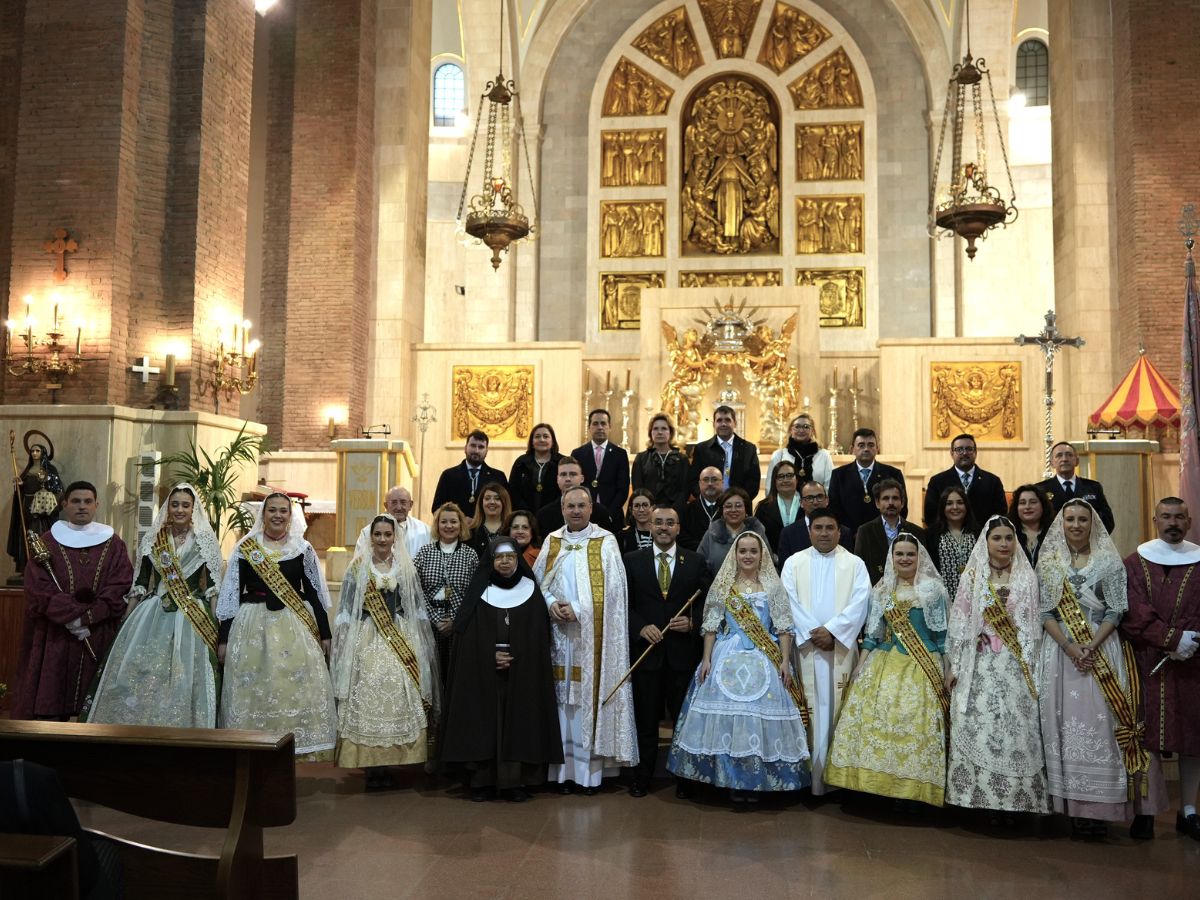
[1051, 341]
[144, 369]
[60, 247]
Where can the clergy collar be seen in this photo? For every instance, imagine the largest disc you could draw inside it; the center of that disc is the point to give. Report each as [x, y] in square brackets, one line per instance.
[831, 554]
[80, 537]
[569, 535]
[507, 598]
[1159, 551]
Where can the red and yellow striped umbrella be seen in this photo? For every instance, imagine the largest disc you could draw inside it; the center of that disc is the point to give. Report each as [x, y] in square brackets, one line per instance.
[1144, 398]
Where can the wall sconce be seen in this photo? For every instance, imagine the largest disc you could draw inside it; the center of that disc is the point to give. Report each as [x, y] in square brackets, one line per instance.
[55, 363]
[335, 415]
[234, 371]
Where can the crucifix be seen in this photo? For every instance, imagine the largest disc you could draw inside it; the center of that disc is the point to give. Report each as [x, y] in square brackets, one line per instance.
[60, 247]
[144, 369]
[425, 416]
[1050, 342]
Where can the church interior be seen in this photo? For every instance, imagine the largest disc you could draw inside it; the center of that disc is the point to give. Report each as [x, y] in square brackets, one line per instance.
[312, 222]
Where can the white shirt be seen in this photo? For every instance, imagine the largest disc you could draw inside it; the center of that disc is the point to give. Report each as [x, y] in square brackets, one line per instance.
[670, 557]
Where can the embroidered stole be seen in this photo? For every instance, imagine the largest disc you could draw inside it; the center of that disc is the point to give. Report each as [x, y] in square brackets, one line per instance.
[268, 570]
[596, 581]
[996, 615]
[906, 634]
[376, 606]
[1124, 707]
[167, 563]
[752, 626]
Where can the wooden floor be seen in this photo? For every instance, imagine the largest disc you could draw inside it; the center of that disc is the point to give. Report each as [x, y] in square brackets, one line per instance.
[427, 840]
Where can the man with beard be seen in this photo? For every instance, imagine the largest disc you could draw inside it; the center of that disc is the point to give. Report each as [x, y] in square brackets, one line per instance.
[461, 484]
[873, 539]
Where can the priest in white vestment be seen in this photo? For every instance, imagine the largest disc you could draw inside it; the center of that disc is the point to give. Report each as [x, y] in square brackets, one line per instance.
[829, 590]
[399, 503]
[583, 579]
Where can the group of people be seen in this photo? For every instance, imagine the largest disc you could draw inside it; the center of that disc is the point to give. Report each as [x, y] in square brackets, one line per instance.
[1003, 658]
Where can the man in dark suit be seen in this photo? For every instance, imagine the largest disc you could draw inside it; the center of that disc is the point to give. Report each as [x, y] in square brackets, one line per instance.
[550, 516]
[850, 487]
[873, 539]
[733, 456]
[1066, 485]
[605, 466]
[985, 491]
[661, 579]
[700, 511]
[461, 484]
[794, 537]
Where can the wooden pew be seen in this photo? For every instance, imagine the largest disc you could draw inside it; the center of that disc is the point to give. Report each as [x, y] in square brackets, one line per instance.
[36, 866]
[242, 781]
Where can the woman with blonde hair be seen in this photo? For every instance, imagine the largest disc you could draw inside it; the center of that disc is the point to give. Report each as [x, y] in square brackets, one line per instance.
[444, 568]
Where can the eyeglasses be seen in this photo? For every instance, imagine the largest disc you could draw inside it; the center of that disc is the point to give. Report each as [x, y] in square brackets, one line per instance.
[803, 425]
[962, 450]
[809, 498]
[785, 476]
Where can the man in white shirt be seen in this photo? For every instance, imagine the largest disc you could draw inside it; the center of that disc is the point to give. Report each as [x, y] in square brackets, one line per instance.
[399, 503]
[829, 590]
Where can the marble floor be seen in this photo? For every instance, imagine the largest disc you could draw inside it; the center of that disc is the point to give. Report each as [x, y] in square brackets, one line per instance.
[427, 840]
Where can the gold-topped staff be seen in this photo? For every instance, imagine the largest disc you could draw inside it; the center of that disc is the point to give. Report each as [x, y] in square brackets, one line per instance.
[646, 652]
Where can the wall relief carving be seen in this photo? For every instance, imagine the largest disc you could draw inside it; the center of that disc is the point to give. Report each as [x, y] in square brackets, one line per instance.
[632, 228]
[621, 298]
[633, 91]
[751, 278]
[832, 84]
[730, 195]
[729, 23]
[671, 42]
[634, 158]
[841, 295]
[497, 400]
[829, 224]
[791, 36]
[978, 398]
[829, 152]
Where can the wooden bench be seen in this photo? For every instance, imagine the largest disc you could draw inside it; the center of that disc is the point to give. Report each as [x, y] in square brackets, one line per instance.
[37, 866]
[242, 781]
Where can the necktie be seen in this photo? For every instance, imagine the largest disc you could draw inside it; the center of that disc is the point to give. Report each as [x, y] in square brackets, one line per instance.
[598, 453]
[1069, 489]
[474, 473]
[966, 480]
[728, 448]
[865, 475]
[664, 573]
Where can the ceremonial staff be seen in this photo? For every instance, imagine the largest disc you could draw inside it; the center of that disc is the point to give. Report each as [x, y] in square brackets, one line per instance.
[34, 548]
[646, 652]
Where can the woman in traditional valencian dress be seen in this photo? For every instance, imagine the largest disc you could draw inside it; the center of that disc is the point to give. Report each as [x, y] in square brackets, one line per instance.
[162, 668]
[1090, 686]
[742, 725]
[445, 568]
[275, 634]
[891, 736]
[384, 660]
[993, 650]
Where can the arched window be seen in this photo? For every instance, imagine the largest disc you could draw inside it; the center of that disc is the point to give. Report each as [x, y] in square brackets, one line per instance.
[1033, 72]
[449, 94]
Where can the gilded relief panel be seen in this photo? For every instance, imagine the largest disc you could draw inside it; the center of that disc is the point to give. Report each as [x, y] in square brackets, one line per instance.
[841, 295]
[497, 400]
[832, 152]
[832, 84]
[729, 23]
[751, 278]
[635, 158]
[621, 298]
[978, 398]
[632, 228]
[790, 37]
[671, 43]
[634, 92]
[730, 196]
[829, 224]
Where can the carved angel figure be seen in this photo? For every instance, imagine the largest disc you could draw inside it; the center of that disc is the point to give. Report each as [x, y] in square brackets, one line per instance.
[692, 370]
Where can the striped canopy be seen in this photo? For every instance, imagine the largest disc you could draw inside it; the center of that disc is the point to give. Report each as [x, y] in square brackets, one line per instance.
[1144, 399]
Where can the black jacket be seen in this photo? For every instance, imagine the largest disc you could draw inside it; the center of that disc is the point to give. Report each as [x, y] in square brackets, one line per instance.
[695, 521]
[851, 503]
[1085, 489]
[523, 482]
[795, 537]
[455, 486]
[985, 496]
[871, 544]
[611, 486]
[647, 606]
[744, 472]
[668, 481]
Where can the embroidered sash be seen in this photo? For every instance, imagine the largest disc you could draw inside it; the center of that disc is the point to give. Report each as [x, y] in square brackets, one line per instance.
[906, 634]
[167, 563]
[754, 629]
[1124, 707]
[375, 605]
[268, 570]
[996, 615]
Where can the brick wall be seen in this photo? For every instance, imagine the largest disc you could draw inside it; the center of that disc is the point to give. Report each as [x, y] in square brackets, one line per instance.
[1154, 47]
[12, 17]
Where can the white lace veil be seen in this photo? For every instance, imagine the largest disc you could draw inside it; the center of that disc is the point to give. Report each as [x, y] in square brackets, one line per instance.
[207, 546]
[1105, 566]
[294, 545]
[930, 590]
[974, 595]
[722, 586]
[411, 618]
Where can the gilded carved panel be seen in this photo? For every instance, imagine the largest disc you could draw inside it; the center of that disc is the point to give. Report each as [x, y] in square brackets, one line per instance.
[730, 196]
[497, 400]
[635, 158]
[671, 42]
[729, 23]
[633, 91]
[832, 84]
[621, 298]
[841, 295]
[978, 398]
[830, 152]
[790, 37]
[632, 228]
[750, 278]
[829, 224]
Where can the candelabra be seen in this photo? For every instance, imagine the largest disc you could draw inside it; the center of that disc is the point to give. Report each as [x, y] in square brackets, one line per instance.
[587, 401]
[626, 415]
[56, 364]
[234, 370]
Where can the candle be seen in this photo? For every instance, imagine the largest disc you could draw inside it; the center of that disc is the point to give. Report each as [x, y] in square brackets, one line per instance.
[628, 373]
[56, 317]
[854, 373]
[835, 378]
[245, 328]
[805, 406]
[78, 338]
[607, 381]
[169, 371]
